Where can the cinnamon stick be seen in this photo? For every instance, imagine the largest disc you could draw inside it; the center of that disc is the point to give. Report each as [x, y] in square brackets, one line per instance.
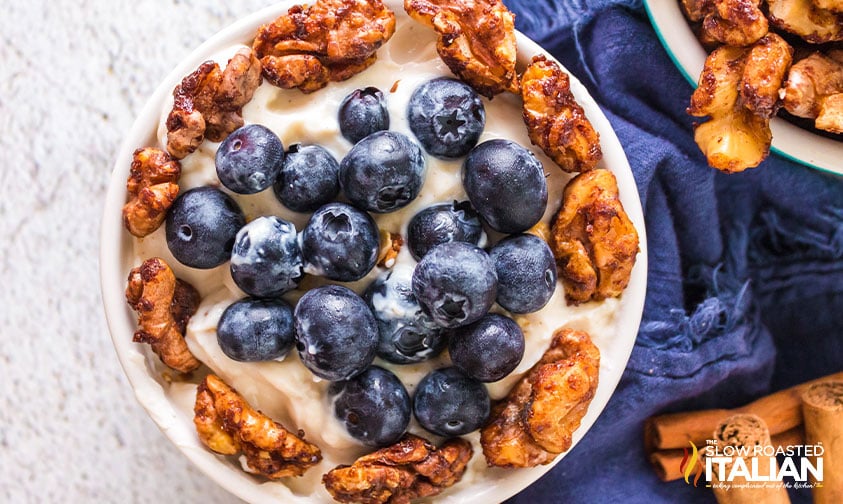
[822, 406]
[745, 430]
[666, 463]
[780, 411]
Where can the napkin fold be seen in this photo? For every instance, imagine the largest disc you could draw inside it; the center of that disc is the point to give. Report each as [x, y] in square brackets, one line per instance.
[745, 280]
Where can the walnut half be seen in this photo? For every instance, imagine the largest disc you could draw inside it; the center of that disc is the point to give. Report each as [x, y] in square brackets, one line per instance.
[411, 468]
[228, 425]
[738, 91]
[554, 119]
[331, 40]
[209, 102]
[593, 240]
[476, 40]
[536, 420]
[152, 187]
[164, 305]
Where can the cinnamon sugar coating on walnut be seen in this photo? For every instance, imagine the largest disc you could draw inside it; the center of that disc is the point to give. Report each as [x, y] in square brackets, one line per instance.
[152, 187]
[209, 102]
[164, 305]
[228, 425]
[411, 468]
[536, 420]
[476, 40]
[554, 119]
[593, 240]
[331, 40]
[738, 92]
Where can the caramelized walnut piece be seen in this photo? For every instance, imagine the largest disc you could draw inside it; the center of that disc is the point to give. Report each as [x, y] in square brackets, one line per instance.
[152, 187]
[209, 102]
[814, 89]
[738, 91]
[332, 40]
[164, 305]
[476, 40]
[592, 238]
[806, 19]
[227, 424]
[734, 22]
[411, 468]
[554, 119]
[536, 420]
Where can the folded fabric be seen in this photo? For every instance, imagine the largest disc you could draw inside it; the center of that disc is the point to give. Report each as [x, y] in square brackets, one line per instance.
[745, 280]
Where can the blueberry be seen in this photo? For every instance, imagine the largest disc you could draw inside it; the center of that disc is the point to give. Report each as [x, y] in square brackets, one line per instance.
[455, 284]
[526, 273]
[447, 116]
[449, 403]
[266, 260]
[406, 333]
[249, 159]
[374, 406]
[505, 182]
[383, 172]
[308, 178]
[201, 226]
[336, 333]
[442, 223]
[340, 242]
[488, 349]
[252, 330]
[362, 113]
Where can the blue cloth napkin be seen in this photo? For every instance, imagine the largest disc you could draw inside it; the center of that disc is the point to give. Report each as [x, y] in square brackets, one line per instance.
[745, 287]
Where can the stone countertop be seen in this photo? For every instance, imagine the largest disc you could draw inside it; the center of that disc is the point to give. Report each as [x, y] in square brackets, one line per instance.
[72, 79]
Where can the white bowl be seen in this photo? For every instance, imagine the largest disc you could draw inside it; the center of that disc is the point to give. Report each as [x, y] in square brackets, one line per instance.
[117, 258]
[688, 54]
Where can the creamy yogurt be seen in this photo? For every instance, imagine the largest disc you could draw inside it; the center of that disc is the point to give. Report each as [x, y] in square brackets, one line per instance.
[285, 390]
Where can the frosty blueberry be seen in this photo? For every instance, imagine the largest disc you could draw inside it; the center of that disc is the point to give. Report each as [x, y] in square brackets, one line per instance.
[455, 283]
[374, 406]
[336, 333]
[447, 116]
[266, 260]
[405, 333]
[526, 272]
[249, 159]
[383, 172]
[201, 226]
[506, 184]
[252, 330]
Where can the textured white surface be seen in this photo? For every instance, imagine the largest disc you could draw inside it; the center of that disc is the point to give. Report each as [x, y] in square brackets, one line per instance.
[72, 77]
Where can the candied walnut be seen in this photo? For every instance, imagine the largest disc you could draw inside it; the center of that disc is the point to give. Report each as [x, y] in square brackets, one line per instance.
[391, 244]
[228, 425]
[734, 22]
[332, 40]
[164, 305]
[738, 91]
[554, 119]
[593, 240]
[806, 19]
[814, 89]
[209, 102]
[536, 420]
[411, 468]
[152, 187]
[476, 40]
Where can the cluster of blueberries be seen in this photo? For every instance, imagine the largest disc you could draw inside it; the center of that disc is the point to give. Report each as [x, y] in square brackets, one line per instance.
[406, 315]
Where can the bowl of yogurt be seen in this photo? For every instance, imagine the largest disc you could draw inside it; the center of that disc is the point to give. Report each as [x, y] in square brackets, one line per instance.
[286, 390]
